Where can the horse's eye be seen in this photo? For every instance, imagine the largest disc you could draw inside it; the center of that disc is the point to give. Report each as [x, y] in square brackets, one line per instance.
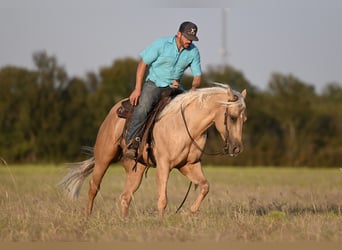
[233, 118]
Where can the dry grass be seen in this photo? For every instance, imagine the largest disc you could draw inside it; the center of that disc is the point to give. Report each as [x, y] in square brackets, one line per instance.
[244, 204]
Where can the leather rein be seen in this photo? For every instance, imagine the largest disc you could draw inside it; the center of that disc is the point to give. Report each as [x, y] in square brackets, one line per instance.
[222, 152]
[224, 149]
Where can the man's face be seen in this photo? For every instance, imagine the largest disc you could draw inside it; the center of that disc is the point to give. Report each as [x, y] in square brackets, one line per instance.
[184, 42]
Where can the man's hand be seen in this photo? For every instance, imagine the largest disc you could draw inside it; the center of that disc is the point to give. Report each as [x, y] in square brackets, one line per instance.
[134, 97]
[175, 84]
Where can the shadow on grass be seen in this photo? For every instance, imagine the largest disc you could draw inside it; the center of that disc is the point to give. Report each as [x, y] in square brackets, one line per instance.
[297, 209]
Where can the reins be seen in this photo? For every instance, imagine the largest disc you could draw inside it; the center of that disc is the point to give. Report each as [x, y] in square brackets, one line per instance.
[185, 197]
[223, 151]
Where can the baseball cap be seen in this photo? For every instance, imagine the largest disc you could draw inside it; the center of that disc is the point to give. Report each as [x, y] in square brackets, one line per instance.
[189, 30]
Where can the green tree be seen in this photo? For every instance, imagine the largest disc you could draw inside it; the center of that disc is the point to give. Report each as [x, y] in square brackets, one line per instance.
[328, 135]
[51, 80]
[18, 93]
[45, 116]
[77, 122]
[292, 107]
[263, 132]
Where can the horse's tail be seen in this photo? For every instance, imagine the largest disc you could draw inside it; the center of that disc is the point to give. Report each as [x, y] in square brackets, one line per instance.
[78, 172]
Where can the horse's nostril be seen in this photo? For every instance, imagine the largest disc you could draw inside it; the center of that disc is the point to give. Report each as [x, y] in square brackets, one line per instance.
[236, 150]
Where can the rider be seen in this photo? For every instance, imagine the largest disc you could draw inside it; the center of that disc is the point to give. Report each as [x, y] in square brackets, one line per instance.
[164, 61]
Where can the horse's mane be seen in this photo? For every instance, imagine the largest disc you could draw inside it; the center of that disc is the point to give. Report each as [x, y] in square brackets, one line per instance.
[199, 95]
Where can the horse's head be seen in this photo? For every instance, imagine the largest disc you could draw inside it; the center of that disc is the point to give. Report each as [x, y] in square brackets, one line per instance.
[230, 119]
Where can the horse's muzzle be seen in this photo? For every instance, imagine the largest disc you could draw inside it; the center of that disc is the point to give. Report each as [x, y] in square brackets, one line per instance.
[233, 148]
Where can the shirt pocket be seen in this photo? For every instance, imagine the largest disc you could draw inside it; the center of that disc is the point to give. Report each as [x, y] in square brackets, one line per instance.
[167, 61]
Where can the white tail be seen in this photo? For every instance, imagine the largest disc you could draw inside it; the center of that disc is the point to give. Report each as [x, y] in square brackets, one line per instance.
[78, 172]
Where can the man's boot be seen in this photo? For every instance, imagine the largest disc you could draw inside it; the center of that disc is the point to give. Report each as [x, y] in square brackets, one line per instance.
[131, 153]
[132, 149]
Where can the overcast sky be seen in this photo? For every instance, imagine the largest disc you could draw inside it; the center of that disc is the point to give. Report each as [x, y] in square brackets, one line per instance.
[301, 37]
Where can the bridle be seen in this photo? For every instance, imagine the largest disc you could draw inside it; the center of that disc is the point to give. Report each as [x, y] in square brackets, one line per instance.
[225, 148]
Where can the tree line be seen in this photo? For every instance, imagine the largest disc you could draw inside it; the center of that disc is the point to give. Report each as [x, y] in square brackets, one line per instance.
[47, 116]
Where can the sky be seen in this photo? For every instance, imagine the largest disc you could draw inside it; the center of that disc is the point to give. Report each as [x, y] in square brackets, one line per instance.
[298, 37]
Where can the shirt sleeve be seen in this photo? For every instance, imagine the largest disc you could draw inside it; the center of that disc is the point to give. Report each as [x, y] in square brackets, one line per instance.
[195, 65]
[151, 53]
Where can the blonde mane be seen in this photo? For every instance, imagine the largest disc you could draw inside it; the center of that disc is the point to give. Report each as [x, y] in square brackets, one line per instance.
[199, 95]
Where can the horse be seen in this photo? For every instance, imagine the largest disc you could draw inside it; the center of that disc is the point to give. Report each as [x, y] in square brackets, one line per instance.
[179, 137]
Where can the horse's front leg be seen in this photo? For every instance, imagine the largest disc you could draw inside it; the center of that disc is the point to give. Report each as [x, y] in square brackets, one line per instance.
[162, 178]
[133, 181]
[195, 174]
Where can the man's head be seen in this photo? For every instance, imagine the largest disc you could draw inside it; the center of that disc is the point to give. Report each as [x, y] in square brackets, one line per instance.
[189, 30]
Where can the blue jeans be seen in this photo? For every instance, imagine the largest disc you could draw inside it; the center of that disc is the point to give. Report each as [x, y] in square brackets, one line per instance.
[150, 96]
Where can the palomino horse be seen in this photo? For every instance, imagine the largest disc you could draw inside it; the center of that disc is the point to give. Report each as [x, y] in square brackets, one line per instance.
[179, 136]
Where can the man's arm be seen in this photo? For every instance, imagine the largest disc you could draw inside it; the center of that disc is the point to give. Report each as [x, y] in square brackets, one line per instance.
[196, 82]
[141, 70]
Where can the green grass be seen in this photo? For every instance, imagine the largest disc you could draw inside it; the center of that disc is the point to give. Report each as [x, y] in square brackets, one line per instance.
[255, 204]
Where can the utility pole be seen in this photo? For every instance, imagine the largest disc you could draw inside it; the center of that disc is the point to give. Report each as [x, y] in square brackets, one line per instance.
[224, 40]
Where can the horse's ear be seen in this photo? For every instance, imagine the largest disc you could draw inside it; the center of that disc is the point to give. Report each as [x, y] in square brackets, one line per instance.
[244, 93]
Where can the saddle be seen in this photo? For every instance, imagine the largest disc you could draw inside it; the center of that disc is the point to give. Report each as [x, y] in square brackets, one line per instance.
[125, 111]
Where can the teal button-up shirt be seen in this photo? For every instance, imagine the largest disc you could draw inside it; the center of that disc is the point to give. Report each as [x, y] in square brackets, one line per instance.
[167, 64]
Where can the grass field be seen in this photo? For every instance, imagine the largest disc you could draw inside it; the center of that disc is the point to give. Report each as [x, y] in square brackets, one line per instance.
[254, 204]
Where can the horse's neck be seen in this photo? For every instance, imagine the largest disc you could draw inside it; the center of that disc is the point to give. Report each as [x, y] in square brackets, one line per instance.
[199, 117]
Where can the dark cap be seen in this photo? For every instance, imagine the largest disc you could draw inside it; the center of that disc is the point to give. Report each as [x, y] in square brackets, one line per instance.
[189, 30]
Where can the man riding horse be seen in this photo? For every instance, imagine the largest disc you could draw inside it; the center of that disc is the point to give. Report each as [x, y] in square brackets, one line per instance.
[187, 117]
[165, 62]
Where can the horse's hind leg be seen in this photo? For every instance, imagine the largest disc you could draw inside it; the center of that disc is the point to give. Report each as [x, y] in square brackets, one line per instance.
[94, 184]
[195, 174]
[102, 162]
[106, 150]
[133, 181]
